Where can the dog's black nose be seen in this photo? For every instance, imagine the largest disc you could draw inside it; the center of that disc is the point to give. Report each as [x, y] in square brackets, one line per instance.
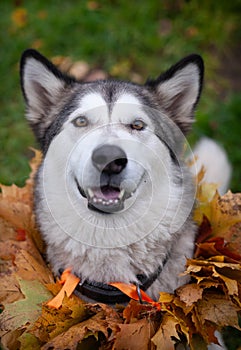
[109, 159]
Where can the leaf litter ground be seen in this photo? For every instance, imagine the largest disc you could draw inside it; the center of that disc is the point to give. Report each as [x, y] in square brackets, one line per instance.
[30, 319]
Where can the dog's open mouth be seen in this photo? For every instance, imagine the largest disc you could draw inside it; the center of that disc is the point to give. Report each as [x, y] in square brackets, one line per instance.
[105, 199]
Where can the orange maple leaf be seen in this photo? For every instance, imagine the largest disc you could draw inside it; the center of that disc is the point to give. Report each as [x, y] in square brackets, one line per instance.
[69, 282]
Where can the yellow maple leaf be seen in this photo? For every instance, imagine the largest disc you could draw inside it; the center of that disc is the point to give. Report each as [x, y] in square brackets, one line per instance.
[222, 211]
[163, 339]
[16, 204]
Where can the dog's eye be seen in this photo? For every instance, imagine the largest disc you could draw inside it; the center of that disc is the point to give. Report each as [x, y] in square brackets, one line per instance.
[138, 125]
[80, 122]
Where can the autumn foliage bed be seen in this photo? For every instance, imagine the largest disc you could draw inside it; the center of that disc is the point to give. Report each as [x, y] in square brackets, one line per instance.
[209, 302]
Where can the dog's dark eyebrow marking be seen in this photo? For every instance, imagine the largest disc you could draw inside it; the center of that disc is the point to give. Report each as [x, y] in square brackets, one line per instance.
[111, 93]
[172, 153]
[55, 127]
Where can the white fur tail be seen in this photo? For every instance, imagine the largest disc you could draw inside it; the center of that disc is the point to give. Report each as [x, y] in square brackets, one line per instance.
[214, 159]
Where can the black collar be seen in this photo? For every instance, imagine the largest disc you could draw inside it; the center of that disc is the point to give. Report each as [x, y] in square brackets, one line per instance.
[105, 293]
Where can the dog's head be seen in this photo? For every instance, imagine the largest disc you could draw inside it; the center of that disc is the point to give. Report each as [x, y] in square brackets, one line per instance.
[111, 142]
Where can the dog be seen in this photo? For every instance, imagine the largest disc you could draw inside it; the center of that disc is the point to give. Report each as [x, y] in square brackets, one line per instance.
[113, 195]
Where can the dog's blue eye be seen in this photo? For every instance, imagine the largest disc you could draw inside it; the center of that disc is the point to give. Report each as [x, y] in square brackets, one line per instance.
[138, 125]
[80, 122]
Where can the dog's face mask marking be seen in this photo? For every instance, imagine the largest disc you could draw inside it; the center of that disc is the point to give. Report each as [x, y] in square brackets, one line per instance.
[105, 153]
[112, 151]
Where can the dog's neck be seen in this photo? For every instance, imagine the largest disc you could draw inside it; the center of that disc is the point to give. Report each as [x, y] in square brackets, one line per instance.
[105, 293]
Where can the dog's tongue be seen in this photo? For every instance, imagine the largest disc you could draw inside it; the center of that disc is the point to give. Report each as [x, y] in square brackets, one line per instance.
[107, 192]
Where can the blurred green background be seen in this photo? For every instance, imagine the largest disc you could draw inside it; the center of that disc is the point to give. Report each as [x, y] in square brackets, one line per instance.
[130, 40]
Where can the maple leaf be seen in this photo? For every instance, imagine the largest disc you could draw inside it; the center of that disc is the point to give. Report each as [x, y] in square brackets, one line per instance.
[217, 246]
[24, 272]
[190, 293]
[99, 324]
[135, 336]
[53, 322]
[16, 204]
[214, 307]
[10, 289]
[29, 268]
[19, 314]
[222, 212]
[219, 219]
[134, 310]
[28, 342]
[219, 283]
[16, 212]
[165, 338]
[69, 282]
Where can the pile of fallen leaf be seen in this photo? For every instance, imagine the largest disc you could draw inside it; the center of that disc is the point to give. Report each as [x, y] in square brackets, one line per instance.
[211, 301]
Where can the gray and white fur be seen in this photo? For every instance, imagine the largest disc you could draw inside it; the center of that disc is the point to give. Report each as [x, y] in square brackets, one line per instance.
[113, 195]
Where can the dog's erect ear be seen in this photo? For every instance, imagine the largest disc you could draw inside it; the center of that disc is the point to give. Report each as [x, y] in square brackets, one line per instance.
[178, 90]
[42, 84]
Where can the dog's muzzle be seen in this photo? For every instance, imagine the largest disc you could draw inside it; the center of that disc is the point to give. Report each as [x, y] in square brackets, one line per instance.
[108, 197]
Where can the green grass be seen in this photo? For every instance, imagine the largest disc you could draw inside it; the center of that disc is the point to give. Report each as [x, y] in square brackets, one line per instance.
[144, 37]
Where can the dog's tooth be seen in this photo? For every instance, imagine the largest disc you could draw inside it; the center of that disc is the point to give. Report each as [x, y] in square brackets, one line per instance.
[110, 201]
[90, 192]
[116, 201]
[121, 195]
[95, 200]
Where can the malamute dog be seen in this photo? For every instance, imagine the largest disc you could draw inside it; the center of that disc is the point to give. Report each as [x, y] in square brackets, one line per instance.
[113, 196]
